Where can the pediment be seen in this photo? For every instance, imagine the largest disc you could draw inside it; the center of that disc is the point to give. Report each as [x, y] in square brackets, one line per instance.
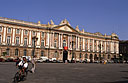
[66, 28]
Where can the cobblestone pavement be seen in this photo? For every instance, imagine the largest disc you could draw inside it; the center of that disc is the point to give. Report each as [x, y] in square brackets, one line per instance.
[69, 73]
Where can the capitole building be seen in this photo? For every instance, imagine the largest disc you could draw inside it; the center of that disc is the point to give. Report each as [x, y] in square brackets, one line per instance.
[16, 39]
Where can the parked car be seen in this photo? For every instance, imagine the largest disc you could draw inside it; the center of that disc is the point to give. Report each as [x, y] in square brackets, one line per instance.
[43, 59]
[2, 59]
[9, 59]
[52, 60]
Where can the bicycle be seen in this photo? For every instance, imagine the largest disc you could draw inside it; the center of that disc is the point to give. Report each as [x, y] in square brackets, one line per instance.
[20, 77]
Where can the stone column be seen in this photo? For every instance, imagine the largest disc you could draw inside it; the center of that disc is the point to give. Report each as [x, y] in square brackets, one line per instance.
[93, 45]
[105, 46]
[38, 41]
[30, 39]
[88, 44]
[4, 35]
[83, 44]
[13, 36]
[22, 33]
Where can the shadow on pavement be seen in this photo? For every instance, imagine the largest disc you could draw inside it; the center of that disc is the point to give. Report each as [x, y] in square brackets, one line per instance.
[125, 81]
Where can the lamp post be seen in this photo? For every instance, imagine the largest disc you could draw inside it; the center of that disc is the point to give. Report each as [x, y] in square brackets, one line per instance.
[35, 39]
[99, 52]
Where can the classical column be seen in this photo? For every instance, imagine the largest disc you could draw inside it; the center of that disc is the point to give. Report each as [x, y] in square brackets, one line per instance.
[22, 33]
[38, 41]
[4, 35]
[30, 39]
[47, 39]
[88, 45]
[105, 46]
[76, 42]
[117, 47]
[83, 44]
[13, 36]
[93, 45]
[112, 46]
[59, 41]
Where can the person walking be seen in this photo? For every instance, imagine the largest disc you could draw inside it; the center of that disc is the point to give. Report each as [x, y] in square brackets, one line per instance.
[65, 55]
[33, 61]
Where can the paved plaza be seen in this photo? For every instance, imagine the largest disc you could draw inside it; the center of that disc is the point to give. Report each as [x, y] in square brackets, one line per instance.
[69, 73]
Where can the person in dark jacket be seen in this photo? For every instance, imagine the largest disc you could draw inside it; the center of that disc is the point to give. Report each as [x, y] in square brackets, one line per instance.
[65, 56]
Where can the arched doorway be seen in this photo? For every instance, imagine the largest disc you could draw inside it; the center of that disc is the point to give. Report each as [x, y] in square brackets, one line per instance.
[91, 58]
[95, 57]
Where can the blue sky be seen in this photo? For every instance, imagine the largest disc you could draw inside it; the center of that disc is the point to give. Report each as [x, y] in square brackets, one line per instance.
[105, 16]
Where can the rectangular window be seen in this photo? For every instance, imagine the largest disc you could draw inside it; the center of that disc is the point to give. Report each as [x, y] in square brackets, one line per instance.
[8, 40]
[33, 33]
[25, 52]
[8, 51]
[42, 53]
[91, 43]
[55, 43]
[17, 40]
[42, 35]
[25, 41]
[26, 32]
[17, 31]
[42, 43]
[9, 30]
[55, 35]
[16, 52]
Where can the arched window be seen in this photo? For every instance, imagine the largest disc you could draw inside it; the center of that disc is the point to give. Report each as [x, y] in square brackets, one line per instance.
[55, 55]
[64, 43]
[42, 53]
[25, 52]
[16, 52]
[95, 57]
[80, 55]
[8, 51]
[86, 56]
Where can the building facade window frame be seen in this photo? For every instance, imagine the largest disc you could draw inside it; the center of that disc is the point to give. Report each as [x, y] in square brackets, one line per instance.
[8, 40]
[25, 52]
[42, 43]
[9, 29]
[8, 52]
[33, 33]
[64, 43]
[17, 31]
[16, 52]
[17, 41]
[55, 43]
[42, 34]
[25, 41]
[26, 32]
[42, 53]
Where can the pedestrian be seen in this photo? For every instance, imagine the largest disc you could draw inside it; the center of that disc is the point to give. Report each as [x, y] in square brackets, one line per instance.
[65, 55]
[17, 61]
[33, 61]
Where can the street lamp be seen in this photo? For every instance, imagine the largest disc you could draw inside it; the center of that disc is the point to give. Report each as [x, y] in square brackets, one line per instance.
[35, 39]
